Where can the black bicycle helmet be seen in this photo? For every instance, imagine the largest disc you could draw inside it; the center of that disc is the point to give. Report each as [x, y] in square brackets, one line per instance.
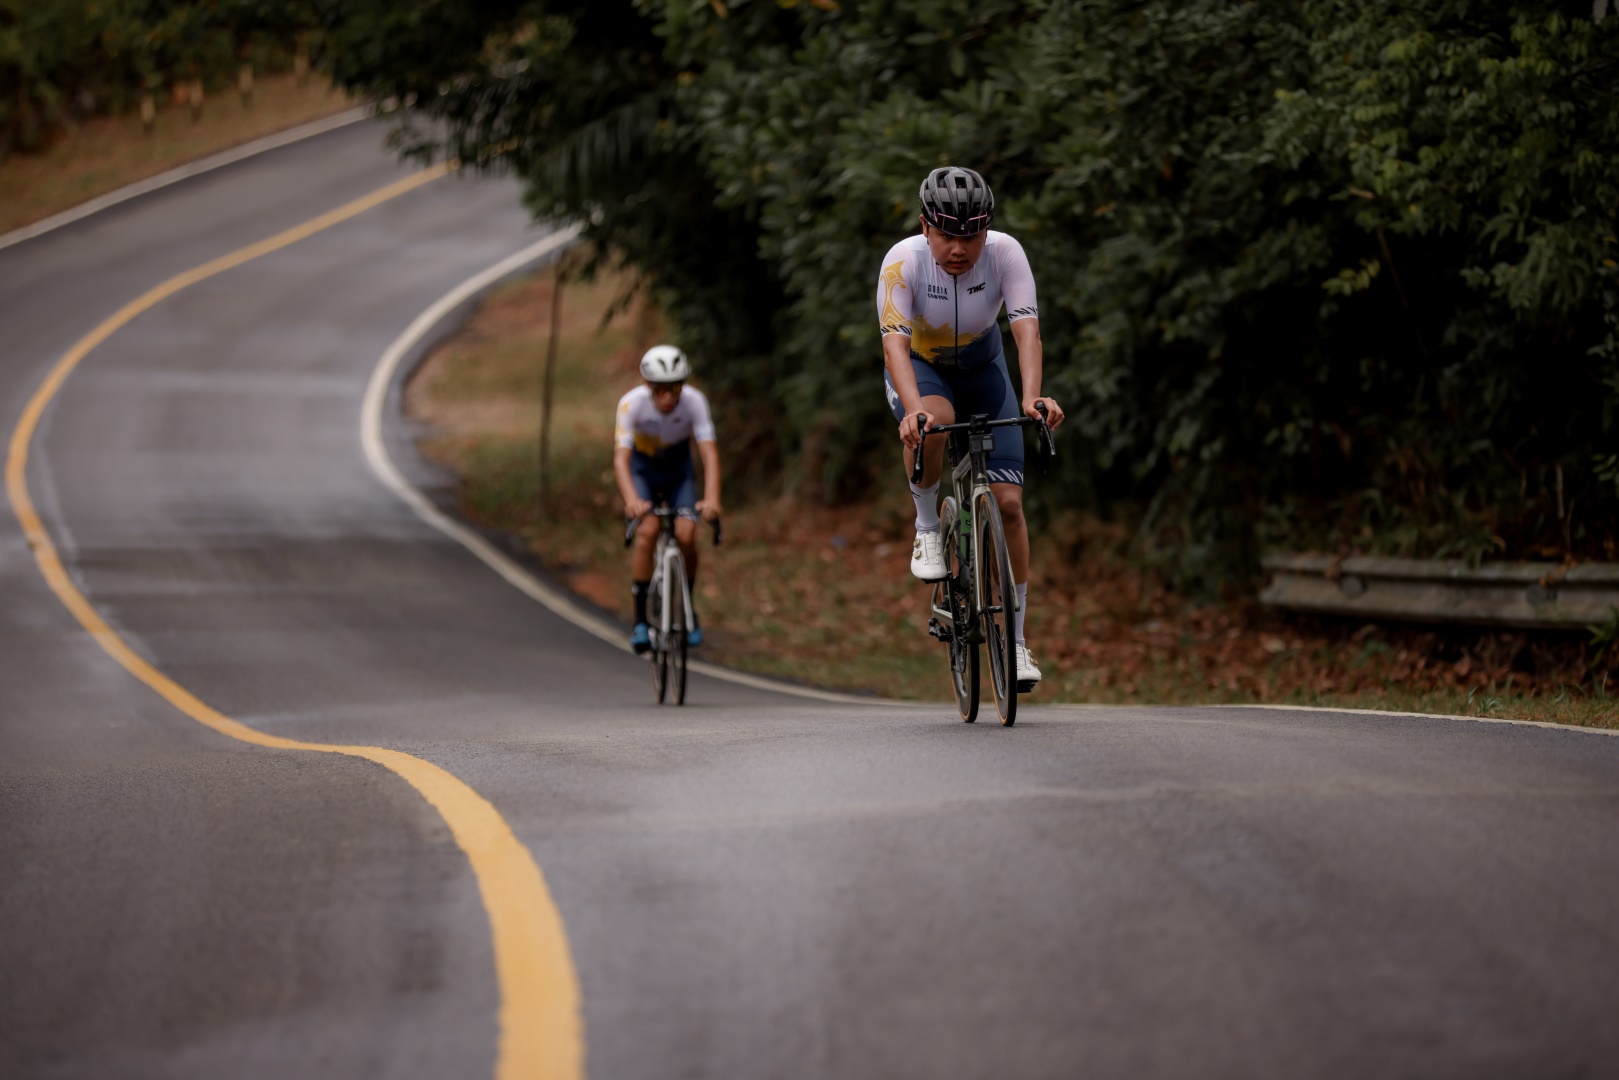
[957, 201]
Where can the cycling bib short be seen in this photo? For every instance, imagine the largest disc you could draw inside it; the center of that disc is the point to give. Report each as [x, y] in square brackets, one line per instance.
[668, 481]
[660, 444]
[986, 390]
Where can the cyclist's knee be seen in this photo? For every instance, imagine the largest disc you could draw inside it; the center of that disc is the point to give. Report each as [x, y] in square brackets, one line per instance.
[685, 530]
[1010, 499]
[646, 531]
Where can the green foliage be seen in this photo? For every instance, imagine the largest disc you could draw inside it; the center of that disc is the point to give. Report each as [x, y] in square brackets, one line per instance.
[1330, 274]
[64, 59]
[581, 102]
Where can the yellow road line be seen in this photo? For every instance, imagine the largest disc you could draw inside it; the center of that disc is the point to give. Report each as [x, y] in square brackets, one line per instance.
[541, 1032]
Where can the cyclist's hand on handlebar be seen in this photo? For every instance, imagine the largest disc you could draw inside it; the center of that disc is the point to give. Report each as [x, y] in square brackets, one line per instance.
[710, 511]
[634, 508]
[908, 432]
[1054, 413]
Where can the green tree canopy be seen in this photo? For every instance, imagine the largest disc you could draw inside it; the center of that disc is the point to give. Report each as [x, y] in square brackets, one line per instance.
[63, 59]
[1324, 274]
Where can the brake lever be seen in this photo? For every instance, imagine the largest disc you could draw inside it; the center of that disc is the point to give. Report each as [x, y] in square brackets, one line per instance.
[1047, 439]
[920, 461]
[719, 531]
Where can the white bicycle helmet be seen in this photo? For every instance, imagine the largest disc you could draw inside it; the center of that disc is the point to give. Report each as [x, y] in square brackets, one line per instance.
[664, 364]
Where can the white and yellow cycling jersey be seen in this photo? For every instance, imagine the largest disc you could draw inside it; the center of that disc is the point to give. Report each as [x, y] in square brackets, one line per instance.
[951, 321]
[641, 427]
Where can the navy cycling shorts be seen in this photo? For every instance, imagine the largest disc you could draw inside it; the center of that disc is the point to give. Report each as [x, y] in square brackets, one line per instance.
[986, 390]
[669, 478]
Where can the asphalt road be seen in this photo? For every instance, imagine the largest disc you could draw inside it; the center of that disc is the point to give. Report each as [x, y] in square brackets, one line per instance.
[757, 885]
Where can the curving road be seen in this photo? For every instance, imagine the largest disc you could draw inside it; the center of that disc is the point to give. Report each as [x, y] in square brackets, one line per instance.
[758, 885]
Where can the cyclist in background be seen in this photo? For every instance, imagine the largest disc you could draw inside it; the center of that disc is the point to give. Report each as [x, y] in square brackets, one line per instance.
[938, 297]
[652, 460]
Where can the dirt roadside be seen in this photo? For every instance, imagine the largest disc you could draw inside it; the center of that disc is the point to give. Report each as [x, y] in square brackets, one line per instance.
[106, 153]
[823, 595]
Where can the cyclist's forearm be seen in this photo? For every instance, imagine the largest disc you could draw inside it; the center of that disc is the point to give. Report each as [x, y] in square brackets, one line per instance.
[621, 472]
[710, 453]
[897, 357]
[1030, 357]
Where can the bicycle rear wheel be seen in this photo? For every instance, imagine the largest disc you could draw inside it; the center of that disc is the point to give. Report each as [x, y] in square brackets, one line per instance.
[999, 598]
[660, 640]
[951, 595]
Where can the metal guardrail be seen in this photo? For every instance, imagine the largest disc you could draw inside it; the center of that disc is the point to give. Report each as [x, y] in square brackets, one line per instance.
[1532, 595]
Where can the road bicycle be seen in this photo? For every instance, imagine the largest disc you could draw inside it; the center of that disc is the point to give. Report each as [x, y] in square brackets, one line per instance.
[976, 602]
[668, 604]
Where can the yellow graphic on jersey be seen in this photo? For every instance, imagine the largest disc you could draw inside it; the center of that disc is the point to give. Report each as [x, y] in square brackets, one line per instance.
[650, 445]
[927, 341]
[931, 342]
[893, 277]
[621, 424]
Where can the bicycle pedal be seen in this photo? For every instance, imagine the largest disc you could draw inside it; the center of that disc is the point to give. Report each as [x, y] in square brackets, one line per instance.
[1025, 686]
[941, 633]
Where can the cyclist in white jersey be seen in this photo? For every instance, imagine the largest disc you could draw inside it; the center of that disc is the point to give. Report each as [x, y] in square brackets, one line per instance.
[656, 425]
[938, 298]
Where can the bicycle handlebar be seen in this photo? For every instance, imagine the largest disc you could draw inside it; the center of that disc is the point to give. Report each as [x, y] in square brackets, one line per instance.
[665, 512]
[1044, 432]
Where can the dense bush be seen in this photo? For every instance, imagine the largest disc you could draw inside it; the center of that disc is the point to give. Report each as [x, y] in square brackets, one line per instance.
[61, 60]
[1328, 273]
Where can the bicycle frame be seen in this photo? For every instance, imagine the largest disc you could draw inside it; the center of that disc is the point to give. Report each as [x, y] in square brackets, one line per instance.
[665, 558]
[669, 564]
[669, 636]
[969, 478]
[667, 554]
[961, 617]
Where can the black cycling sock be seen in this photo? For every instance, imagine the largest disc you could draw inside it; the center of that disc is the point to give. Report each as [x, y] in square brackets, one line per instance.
[638, 590]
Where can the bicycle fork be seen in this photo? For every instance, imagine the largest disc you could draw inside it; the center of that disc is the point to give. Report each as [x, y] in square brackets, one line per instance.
[669, 559]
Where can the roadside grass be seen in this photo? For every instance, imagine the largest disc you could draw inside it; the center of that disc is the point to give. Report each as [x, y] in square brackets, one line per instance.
[106, 153]
[824, 595]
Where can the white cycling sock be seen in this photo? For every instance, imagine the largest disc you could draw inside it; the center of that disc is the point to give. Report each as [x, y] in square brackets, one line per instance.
[927, 507]
[1022, 610]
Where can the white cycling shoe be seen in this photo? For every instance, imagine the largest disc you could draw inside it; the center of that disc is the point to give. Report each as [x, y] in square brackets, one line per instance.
[1028, 672]
[927, 557]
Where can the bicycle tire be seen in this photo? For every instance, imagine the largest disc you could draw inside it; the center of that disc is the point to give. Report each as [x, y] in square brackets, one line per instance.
[660, 646]
[998, 596]
[677, 630]
[951, 595]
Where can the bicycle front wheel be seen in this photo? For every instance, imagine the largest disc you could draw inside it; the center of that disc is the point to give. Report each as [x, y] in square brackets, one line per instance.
[660, 639]
[677, 634]
[953, 595]
[998, 597]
